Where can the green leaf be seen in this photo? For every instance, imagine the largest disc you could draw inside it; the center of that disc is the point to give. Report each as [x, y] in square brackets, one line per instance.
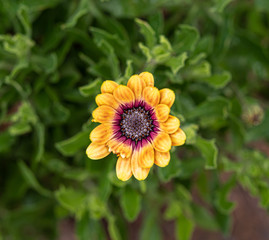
[6, 141]
[23, 15]
[31, 180]
[129, 69]
[18, 44]
[76, 174]
[74, 144]
[71, 199]
[87, 228]
[91, 88]
[25, 114]
[261, 130]
[145, 50]
[200, 71]
[82, 9]
[130, 203]
[173, 210]
[47, 64]
[114, 180]
[165, 43]
[170, 171]
[112, 228]
[220, 5]
[222, 203]
[185, 39]
[19, 128]
[203, 218]
[190, 167]
[218, 80]
[96, 207]
[184, 228]
[211, 112]
[208, 150]
[262, 5]
[120, 43]
[40, 141]
[182, 193]
[112, 59]
[150, 227]
[148, 33]
[191, 133]
[176, 63]
[238, 131]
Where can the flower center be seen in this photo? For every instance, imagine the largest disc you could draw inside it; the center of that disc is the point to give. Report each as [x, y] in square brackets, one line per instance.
[136, 123]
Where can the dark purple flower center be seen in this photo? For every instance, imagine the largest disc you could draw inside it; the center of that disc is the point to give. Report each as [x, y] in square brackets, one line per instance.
[136, 123]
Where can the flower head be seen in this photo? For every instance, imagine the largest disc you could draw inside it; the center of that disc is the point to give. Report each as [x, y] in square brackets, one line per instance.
[135, 125]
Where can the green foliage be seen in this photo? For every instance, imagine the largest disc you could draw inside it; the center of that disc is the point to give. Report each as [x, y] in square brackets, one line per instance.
[54, 56]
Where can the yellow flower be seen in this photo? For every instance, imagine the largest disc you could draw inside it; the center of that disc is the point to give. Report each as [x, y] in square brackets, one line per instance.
[135, 125]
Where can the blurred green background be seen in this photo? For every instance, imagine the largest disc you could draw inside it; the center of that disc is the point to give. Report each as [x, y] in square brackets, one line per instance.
[54, 55]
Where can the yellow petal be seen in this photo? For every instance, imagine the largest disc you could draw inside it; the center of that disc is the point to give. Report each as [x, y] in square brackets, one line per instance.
[170, 125]
[136, 84]
[146, 159]
[151, 95]
[123, 94]
[126, 149]
[96, 151]
[101, 134]
[106, 99]
[103, 114]
[138, 172]
[162, 159]
[114, 145]
[108, 86]
[178, 138]
[162, 112]
[167, 97]
[162, 142]
[148, 78]
[123, 168]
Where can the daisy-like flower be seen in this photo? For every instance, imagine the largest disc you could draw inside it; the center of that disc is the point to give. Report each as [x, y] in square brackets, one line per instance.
[135, 125]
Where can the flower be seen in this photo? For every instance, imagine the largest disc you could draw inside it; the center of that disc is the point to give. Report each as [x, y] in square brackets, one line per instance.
[135, 125]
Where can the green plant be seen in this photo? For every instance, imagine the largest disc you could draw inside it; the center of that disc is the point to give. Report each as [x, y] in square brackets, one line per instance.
[54, 56]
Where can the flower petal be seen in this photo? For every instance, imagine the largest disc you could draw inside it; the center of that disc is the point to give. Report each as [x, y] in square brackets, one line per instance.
[103, 114]
[151, 95]
[123, 94]
[162, 159]
[108, 86]
[123, 168]
[167, 97]
[178, 138]
[170, 125]
[126, 149]
[106, 99]
[137, 85]
[148, 78]
[146, 159]
[138, 172]
[162, 112]
[162, 142]
[97, 151]
[115, 145]
[101, 134]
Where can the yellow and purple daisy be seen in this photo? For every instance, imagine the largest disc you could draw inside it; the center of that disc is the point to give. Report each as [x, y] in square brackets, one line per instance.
[136, 125]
